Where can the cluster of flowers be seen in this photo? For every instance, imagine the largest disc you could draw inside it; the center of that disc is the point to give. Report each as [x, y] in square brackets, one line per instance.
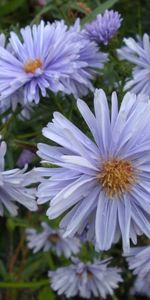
[103, 181]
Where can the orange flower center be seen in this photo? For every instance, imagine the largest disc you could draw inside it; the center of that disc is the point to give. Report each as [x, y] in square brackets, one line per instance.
[32, 65]
[116, 177]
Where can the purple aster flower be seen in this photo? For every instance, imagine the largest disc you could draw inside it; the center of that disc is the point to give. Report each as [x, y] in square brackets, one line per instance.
[50, 239]
[12, 102]
[141, 287]
[138, 53]
[47, 57]
[104, 183]
[104, 27]
[139, 261]
[14, 187]
[2, 40]
[17, 97]
[85, 279]
[24, 114]
[6, 104]
[79, 83]
[25, 157]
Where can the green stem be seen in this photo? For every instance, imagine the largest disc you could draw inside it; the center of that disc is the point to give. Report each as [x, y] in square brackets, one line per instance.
[50, 260]
[139, 16]
[28, 143]
[57, 103]
[24, 285]
[26, 135]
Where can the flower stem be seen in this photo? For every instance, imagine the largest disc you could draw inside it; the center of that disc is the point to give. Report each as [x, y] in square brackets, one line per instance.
[24, 285]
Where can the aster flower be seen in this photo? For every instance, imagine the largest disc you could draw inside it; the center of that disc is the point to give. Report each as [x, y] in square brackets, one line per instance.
[14, 101]
[104, 27]
[85, 279]
[44, 60]
[105, 182]
[26, 157]
[141, 287]
[17, 97]
[138, 53]
[79, 83]
[5, 105]
[139, 261]
[2, 40]
[14, 187]
[11, 102]
[50, 239]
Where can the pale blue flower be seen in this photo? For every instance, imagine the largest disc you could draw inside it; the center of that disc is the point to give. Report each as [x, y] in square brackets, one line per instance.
[79, 82]
[85, 279]
[104, 27]
[46, 58]
[138, 53]
[139, 261]
[50, 239]
[141, 287]
[14, 187]
[26, 157]
[15, 99]
[103, 181]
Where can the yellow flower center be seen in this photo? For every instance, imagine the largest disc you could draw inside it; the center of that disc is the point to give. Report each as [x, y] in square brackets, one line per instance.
[32, 65]
[116, 177]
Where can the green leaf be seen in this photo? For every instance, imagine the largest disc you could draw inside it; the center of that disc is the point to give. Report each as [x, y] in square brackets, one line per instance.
[10, 6]
[34, 264]
[12, 223]
[98, 10]
[23, 285]
[46, 294]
